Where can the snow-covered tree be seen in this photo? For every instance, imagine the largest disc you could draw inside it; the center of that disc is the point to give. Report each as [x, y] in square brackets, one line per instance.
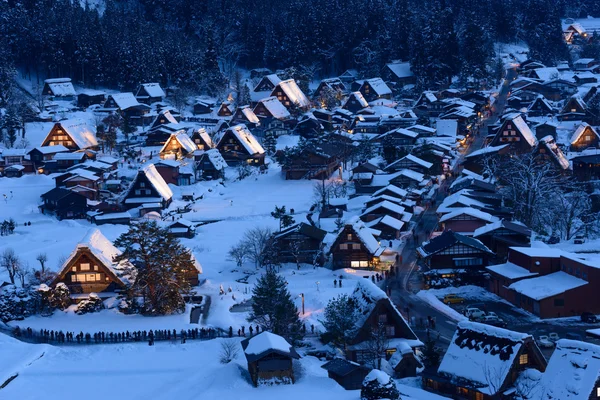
[340, 318]
[379, 386]
[60, 296]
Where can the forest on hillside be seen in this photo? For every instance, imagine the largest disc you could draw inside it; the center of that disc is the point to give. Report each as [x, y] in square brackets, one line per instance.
[199, 44]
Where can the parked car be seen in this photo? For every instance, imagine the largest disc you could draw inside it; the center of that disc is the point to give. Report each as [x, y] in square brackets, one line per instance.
[474, 314]
[494, 321]
[453, 299]
[573, 336]
[492, 314]
[579, 239]
[589, 318]
[544, 341]
[553, 336]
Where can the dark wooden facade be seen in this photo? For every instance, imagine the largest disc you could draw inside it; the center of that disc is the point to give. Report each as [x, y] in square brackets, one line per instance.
[515, 132]
[347, 374]
[301, 243]
[310, 164]
[64, 203]
[453, 250]
[234, 152]
[585, 137]
[348, 251]
[271, 364]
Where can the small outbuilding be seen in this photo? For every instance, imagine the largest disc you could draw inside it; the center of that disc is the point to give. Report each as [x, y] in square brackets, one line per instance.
[270, 359]
[348, 374]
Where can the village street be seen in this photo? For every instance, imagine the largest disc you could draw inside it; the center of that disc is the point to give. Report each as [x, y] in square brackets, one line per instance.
[407, 282]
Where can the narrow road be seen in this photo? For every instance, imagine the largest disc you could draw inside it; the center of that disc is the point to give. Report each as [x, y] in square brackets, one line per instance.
[406, 284]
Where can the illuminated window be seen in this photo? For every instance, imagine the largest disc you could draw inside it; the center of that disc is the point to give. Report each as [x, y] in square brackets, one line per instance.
[356, 246]
[349, 236]
[524, 359]
[344, 246]
[84, 266]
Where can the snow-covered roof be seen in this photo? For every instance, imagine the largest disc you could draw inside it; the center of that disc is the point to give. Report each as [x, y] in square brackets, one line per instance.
[167, 115]
[203, 134]
[183, 139]
[69, 156]
[456, 200]
[249, 114]
[511, 271]
[274, 106]
[417, 160]
[80, 132]
[478, 352]
[387, 221]
[105, 252]
[266, 341]
[359, 97]
[511, 225]
[366, 235]
[124, 100]
[486, 150]
[572, 372]
[61, 87]
[547, 73]
[414, 175]
[471, 212]
[59, 148]
[580, 130]
[388, 205]
[555, 152]
[294, 93]
[157, 181]
[379, 86]
[447, 127]
[401, 70]
[153, 90]
[394, 189]
[548, 285]
[216, 159]
[246, 139]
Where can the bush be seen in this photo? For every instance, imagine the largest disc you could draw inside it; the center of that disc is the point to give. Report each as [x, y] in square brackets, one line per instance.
[378, 385]
[18, 303]
[60, 297]
[92, 304]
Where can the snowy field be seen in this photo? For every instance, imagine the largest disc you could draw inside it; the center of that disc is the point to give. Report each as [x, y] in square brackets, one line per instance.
[164, 371]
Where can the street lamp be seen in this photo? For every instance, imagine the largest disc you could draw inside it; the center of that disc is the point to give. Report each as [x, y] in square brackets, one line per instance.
[302, 295]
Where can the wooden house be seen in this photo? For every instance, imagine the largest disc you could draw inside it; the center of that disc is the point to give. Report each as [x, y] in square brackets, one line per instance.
[210, 165]
[376, 88]
[586, 167]
[355, 102]
[385, 208]
[309, 127]
[400, 138]
[300, 243]
[309, 163]
[64, 203]
[334, 85]
[267, 83]
[238, 145]
[428, 104]
[60, 88]
[91, 268]
[148, 187]
[271, 108]
[388, 226]
[164, 117]
[573, 110]
[348, 76]
[483, 362]
[74, 134]
[585, 136]
[291, 96]
[79, 180]
[270, 359]
[202, 107]
[126, 105]
[453, 250]
[411, 162]
[201, 139]
[178, 146]
[586, 64]
[540, 106]
[182, 228]
[169, 170]
[376, 311]
[90, 97]
[465, 220]
[149, 93]
[347, 374]
[226, 109]
[515, 132]
[245, 115]
[40, 155]
[564, 372]
[399, 73]
[500, 235]
[392, 191]
[356, 246]
[544, 129]
[548, 151]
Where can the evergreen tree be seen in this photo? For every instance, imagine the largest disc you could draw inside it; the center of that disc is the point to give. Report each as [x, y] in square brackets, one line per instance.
[284, 218]
[340, 318]
[273, 308]
[161, 265]
[60, 297]
[379, 386]
[430, 355]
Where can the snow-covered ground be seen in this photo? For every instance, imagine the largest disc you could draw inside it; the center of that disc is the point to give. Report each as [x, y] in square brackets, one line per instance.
[163, 371]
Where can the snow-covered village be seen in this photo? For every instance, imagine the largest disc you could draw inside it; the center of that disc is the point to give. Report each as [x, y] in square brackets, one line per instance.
[311, 199]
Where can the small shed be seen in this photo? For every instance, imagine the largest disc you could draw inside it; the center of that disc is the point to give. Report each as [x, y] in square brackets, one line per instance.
[270, 358]
[348, 374]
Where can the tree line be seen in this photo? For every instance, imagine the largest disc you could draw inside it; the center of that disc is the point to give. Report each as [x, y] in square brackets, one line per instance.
[193, 44]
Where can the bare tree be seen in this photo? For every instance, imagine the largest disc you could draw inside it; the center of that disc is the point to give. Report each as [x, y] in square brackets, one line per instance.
[256, 242]
[295, 248]
[42, 258]
[11, 263]
[229, 351]
[377, 345]
[238, 253]
[573, 212]
[22, 272]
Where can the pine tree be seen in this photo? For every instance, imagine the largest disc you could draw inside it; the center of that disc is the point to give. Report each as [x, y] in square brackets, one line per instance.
[340, 318]
[161, 264]
[430, 354]
[284, 218]
[273, 308]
